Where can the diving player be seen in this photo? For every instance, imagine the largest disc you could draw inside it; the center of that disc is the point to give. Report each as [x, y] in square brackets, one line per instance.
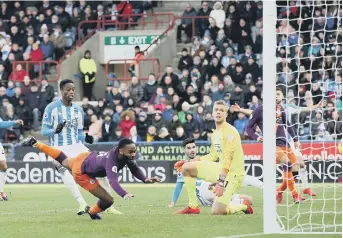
[63, 123]
[202, 187]
[3, 164]
[88, 166]
[228, 173]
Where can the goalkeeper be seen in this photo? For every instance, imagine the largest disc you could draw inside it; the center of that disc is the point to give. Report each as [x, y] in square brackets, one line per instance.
[228, 173]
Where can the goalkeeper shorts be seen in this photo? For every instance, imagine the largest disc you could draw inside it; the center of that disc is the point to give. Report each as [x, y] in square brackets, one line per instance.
[209, 171]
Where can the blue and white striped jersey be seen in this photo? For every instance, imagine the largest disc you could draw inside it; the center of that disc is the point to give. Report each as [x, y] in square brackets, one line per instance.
[55, 113]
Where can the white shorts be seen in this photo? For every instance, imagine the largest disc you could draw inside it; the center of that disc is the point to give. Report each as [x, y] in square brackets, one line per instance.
[2, 153]
[73, 150]
[206, 196]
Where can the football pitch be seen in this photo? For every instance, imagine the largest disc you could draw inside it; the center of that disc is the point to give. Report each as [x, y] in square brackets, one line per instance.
[49, 211]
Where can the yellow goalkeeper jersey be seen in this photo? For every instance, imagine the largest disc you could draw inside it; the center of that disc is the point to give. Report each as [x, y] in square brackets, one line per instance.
[227, 147]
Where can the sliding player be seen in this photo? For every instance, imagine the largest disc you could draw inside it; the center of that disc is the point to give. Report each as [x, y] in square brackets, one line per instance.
[228, 173]
[291, 110]
[202, 187]
[87, 166]
[63, 123]
[285, 155]
[3, 164]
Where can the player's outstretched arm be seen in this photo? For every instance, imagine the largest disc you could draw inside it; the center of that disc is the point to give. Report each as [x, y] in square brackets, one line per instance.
[138, 173]
[176, 193]
[237, 108]
[7, 124]
[112, 176]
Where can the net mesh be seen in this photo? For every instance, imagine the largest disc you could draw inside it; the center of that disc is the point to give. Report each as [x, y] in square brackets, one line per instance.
[309, 72]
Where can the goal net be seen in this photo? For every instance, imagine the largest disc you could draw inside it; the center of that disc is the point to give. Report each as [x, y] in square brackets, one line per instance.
[307, 52]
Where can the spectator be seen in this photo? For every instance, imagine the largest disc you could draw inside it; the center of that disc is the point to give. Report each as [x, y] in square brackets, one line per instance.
[18, 74]
[127, 121]
[170, 72]
[180, 134]
[335, 125]
[151, 134]
[47, 47]
[22, 110]
[219, 95]
[186, 61]
[14, 133]
[202, 24]
[95, 128]
[142, 125]
[48, 92]
[158, 121]
[15, 98]
[124, 11]
[150, 87]
[85, 105]
[88, 70]
[218, 15]
[3, 94]
[118, 135]
[190, 125]
[118, 113]
[10, 90]
[18, 54]
[241, 123]
[33, 98]
[134, 136]
[59, 41]
[323, 134]
[237, 96]
[136, 90]
[26, 85]
[186, 24]
[107, 129]
[3, 76]
[163, 135]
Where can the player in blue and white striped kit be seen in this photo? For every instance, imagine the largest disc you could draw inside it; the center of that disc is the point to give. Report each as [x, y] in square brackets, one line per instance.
[3, 164]
[63, 123]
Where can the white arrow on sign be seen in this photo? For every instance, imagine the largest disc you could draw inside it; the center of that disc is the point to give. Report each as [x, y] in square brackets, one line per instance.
[122, 41]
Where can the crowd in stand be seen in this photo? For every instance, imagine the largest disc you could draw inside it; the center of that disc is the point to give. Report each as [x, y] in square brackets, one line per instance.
[37, 31]
[224, 62]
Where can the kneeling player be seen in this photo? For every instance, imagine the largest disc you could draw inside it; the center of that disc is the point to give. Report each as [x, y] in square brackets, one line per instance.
[89, 165]
[228, 173]
[206, 196]
[190, 149]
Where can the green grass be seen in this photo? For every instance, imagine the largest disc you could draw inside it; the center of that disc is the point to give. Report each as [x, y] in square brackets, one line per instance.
[49, 211]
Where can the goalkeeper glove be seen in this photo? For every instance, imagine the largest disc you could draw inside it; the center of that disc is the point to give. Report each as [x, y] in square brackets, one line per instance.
[178, 165]
[60, 127]
[89, 139]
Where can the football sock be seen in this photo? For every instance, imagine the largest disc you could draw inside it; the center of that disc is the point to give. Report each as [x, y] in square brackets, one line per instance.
[190, 184]
[70, 183]
[303, 177]
[252, 181]
[54, 153]
[291, 183]
[3, 176]
[177, 191]
[95, 209]
[100, 206]
[231, 209]
[105, 184]
[283, 185]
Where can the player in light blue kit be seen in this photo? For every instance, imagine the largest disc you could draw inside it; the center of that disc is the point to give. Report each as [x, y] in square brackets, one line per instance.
[63, 123]
[3, 164]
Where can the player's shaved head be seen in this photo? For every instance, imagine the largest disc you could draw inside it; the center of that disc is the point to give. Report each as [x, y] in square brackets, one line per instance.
[64, 82]
[127, 148]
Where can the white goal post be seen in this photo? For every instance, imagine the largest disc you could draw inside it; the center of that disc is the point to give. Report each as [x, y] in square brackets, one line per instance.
[322, 213]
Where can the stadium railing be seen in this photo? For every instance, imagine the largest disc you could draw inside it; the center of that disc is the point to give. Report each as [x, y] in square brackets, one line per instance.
[140, 23]
[38, 67]
[145, 67]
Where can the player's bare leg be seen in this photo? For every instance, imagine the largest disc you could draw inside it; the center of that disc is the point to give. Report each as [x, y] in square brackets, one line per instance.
[190, 173]
[105, 202]
[106, 185]
[3, 176]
